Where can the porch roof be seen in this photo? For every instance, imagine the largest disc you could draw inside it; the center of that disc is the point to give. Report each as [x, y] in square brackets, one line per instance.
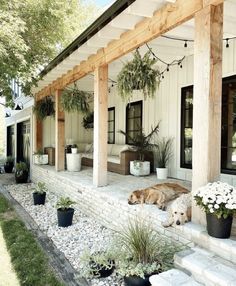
[122, 20]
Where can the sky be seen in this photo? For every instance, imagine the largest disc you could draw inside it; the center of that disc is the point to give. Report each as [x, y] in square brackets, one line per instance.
[103, 3]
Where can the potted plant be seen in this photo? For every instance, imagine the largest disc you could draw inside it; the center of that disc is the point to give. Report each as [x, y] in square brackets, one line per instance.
[9, 164]
[21, 173]
[98, 264]
[88, 120]
[163, 152]
[44, 108]
[138, 74]
[142, 143]
[40, 158]
[74, 149]
[218, 200]
[39, 193]
[64, 211]
[142, 253]
[73, 99]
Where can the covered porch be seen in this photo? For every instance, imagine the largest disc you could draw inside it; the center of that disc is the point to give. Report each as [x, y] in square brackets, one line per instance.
[132, 28]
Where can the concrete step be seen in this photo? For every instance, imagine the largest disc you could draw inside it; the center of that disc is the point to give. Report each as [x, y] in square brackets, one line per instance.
[206, 267]
[226, 248]
[173, 277]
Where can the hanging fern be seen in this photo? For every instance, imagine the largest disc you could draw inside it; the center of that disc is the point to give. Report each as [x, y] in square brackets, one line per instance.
[88, 120]
[138, 74]
[44, 108]
[75, 100]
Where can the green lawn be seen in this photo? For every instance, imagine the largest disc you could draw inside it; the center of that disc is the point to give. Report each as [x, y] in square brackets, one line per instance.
[28, 259]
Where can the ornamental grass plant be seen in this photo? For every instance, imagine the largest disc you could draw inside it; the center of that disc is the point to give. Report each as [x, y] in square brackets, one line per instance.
[217, 198]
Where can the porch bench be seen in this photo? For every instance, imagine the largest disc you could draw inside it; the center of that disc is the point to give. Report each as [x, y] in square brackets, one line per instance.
[118, 159]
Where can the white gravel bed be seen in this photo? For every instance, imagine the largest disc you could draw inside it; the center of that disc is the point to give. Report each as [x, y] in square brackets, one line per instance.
[85, 233]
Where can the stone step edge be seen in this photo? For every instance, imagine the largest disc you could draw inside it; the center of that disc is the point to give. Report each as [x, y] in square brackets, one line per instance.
[173, 277]
[225, 248]
[206, 268]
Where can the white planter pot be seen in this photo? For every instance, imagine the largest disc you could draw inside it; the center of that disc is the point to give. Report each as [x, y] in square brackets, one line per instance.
[74, 150]
[162, 173]
[73, 162]
[41, 159]
[139, 168]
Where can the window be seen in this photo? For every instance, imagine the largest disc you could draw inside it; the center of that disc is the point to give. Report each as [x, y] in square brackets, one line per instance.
[133, 119]
[187, 126]
[228, 126]
[111, 125]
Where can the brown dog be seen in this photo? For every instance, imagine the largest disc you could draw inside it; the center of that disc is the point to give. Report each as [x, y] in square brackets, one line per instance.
[159, 194]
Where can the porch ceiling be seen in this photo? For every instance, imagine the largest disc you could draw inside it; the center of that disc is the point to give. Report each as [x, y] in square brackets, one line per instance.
[127, 20]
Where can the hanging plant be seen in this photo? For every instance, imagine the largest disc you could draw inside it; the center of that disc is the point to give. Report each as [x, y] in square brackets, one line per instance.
[88, 120]
[138, 74]
[75, 100]
[44, 108]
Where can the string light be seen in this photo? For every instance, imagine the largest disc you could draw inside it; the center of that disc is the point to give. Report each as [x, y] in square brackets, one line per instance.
[227, 43]
[186, 44]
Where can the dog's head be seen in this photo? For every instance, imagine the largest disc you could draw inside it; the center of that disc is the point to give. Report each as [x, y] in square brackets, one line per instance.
[135, 198]
[181, 214]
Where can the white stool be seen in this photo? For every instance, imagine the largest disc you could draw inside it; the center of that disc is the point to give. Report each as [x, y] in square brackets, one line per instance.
[73, 162]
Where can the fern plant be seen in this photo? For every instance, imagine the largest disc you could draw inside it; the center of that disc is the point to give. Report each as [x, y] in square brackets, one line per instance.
[88, 120]
[44, 108]
[73, 100]
[138, 74]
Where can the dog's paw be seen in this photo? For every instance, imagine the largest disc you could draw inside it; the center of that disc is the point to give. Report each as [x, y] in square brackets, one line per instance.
[165, 224]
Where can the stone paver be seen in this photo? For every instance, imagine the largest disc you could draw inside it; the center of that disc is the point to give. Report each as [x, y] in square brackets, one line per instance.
[7, 274]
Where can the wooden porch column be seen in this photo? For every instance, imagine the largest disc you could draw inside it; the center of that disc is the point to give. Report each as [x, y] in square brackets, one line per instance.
[59, 134]
[100, 126]
[38, 134]
[207, 99]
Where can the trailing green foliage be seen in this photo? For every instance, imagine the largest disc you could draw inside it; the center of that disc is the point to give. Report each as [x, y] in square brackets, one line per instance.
[40, 188]
[27, 257]
[142, 142]
[163, 152]
[64, 203]
[44, 108]
[9, 159]
[21, 166]
[75, 100]
[138, 74]
[88, 120]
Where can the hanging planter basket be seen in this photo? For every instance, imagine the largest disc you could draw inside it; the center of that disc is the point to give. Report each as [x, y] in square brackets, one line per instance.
[73, 100]
[44, 108]
[88, 120]
[138, 74]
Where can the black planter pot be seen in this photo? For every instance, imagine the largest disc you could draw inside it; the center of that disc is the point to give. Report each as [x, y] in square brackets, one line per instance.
[65, 217]
[137, 281]
[39, 199]
[8, 167]
[21, 177]
[219, 228]
[101, 271]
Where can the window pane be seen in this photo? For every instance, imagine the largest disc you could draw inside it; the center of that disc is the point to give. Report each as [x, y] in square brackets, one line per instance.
[111, 126]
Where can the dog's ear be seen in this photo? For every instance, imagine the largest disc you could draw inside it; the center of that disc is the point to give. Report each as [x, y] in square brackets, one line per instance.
[189, 213]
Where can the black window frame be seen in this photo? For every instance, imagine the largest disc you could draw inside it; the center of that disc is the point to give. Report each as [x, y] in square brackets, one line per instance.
[108, 121]
[129, 105]
[230, 79]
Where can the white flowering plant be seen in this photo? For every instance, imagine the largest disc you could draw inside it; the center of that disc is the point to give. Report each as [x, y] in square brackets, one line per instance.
[217, 198]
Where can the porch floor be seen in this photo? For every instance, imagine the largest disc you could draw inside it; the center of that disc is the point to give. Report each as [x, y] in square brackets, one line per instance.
[118, 185]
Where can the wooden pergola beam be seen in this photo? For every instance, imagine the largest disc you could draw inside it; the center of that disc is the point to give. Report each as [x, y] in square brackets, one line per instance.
[163, 20]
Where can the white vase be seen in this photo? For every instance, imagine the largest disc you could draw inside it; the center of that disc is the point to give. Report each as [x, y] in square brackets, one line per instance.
[41, 159]
[162, 173]
[74, 150]
[140, 168]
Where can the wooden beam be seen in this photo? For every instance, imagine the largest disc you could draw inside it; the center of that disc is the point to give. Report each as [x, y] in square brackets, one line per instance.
[38, 134]
[100, 126]
[59, 134]
[168, 17]
[207, 99]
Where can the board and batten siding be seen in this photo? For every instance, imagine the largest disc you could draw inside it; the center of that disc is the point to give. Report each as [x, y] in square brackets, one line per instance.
[164, 107]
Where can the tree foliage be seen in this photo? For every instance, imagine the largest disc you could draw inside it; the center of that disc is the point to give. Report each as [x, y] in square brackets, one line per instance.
[33, 32]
